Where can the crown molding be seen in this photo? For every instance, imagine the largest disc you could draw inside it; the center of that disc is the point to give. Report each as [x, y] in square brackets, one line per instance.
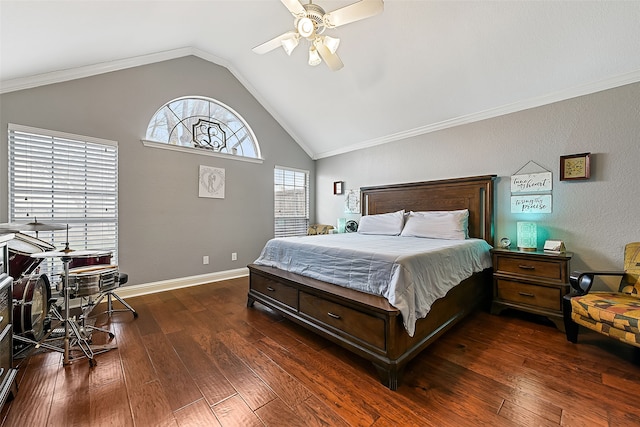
[90, 70]
[574, 92]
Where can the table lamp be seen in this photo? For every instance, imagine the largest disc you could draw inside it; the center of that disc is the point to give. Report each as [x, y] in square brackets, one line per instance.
[527, 236]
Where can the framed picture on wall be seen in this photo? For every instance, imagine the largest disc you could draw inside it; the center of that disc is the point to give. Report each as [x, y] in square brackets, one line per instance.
[352, 202]
[211, 182]
[575, 166]
[338, 187]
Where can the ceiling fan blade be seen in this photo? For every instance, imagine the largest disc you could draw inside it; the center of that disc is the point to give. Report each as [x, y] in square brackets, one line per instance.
[331, 59]
[295, 7]
[354, 12]
[273, 43]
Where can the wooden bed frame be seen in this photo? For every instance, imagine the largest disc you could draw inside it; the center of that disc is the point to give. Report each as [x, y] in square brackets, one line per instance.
[367, 324]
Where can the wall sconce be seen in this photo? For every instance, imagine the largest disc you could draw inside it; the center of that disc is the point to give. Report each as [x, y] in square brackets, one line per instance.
[338, 187]
[527, 236]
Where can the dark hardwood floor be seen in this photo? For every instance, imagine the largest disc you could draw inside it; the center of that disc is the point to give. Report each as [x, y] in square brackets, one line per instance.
[199, 357]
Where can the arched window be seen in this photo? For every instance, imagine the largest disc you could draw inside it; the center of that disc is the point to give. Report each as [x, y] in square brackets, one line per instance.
[202, 124]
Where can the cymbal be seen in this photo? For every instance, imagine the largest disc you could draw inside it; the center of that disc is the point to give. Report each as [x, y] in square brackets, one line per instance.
[9, 228]
[66, 253]
[31, 226]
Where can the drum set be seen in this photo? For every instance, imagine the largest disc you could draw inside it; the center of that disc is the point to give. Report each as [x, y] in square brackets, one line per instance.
[88, 275]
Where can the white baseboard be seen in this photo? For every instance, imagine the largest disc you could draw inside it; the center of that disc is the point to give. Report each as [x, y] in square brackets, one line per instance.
[167, 285]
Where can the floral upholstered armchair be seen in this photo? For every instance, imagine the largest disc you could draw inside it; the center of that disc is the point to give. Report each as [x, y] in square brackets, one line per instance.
[615, 314]
[319, 229]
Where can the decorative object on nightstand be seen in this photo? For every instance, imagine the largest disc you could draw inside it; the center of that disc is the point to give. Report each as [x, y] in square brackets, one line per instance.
[554, 246]
[342, 222]
[505, 243]
[575, 166]
[527, 236]
[534, 282]
[351, 226]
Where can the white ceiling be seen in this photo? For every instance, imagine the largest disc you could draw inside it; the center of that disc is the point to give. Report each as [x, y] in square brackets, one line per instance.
[420, 66]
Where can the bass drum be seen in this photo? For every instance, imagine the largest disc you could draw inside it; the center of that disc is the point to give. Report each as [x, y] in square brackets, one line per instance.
[21, 247]
[31, 297]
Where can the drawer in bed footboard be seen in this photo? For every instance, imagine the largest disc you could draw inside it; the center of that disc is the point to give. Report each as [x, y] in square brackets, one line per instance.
[344, 320]
[284, 294]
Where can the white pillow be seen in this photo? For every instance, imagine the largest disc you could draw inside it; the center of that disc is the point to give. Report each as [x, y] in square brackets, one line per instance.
[451, 225]
[389, 224]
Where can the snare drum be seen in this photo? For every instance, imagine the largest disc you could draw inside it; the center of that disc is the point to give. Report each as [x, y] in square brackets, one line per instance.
[31, 297]
[101, 259]
[20, 249]
[87, 281]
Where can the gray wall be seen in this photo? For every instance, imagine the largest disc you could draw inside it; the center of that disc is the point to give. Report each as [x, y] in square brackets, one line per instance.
[165, 229]
[595, 218]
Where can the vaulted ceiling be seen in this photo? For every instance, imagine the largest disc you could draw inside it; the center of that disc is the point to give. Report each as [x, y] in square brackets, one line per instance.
[418, 67]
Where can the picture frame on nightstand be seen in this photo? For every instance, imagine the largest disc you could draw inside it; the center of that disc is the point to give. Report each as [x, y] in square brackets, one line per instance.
[554, 246]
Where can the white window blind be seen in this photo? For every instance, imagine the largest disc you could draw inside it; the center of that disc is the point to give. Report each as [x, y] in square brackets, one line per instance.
[64, 179]
[291, 201]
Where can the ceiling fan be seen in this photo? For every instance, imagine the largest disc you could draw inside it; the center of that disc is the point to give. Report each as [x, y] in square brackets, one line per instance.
[310, 23]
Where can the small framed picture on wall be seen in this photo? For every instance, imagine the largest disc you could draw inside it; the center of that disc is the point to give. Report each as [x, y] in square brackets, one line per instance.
[338, 187]
[575, 166]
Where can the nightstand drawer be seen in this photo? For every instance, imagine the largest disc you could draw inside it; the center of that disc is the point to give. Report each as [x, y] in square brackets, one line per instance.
[529, 267]
[367, 328]
[523, 293]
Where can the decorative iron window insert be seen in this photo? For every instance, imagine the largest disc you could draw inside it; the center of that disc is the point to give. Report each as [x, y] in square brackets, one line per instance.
[202, 124]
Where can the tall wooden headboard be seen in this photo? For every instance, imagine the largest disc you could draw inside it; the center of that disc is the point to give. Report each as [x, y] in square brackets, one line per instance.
[475, 193]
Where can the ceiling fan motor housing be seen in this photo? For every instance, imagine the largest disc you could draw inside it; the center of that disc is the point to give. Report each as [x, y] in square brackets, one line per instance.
[315, 14]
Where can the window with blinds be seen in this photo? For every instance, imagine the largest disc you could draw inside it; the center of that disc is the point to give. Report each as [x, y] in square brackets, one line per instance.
[64, 179]
[291, 201]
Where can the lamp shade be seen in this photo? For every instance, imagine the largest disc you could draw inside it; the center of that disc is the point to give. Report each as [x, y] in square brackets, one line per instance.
[527, 236]
[331, 43]
[289, 44]
[314, 57]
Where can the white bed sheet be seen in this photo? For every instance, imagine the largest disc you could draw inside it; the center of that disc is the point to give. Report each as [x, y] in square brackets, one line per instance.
[410, 272]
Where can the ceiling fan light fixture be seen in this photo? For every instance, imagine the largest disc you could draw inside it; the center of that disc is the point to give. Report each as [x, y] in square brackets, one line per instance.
[314, 57]
[331, 43]
[310, 22]
[289, 44]
[306, 27]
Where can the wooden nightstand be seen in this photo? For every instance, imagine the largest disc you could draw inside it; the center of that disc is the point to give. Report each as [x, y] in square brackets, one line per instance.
[530, 281]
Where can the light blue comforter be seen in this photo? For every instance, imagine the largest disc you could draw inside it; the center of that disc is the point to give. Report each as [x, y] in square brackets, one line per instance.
[410, 272]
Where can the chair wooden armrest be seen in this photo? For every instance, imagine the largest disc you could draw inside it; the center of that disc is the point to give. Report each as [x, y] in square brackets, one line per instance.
[582, 281]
